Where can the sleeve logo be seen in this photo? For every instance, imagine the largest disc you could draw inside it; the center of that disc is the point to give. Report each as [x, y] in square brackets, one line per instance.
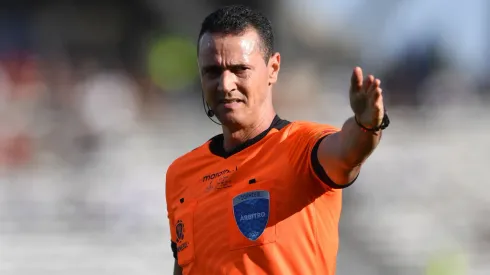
[179, 229]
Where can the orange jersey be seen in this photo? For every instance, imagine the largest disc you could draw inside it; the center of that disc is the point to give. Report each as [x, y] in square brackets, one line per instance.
[265, 208]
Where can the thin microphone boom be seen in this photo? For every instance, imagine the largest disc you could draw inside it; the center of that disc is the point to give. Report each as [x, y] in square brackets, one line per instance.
[209, 113]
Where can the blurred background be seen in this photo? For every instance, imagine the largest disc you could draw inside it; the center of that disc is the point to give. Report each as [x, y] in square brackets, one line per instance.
[97, 98]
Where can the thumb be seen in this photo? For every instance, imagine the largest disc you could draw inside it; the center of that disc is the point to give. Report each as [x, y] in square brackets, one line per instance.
[356, 79]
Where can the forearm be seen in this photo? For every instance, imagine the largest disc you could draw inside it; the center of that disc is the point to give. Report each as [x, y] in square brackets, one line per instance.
[355, 145]
[341, 154]
[177, 269]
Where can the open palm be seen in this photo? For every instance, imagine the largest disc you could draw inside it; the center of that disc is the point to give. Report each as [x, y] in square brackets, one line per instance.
[366, 99]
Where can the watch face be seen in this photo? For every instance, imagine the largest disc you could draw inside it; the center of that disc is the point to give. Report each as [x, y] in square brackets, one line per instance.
[385, 122]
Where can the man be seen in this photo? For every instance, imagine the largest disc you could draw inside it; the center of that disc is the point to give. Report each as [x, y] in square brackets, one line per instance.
[264, 197]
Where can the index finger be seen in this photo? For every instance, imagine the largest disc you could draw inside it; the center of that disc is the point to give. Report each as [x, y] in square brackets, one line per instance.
[356, 79]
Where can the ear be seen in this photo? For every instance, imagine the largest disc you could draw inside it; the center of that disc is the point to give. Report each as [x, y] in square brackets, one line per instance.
[274, 66]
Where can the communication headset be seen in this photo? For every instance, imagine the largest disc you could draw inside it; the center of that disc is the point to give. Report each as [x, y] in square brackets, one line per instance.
[207, 110]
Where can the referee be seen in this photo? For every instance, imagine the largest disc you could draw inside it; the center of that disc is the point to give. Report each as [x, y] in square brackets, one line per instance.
[263, 197]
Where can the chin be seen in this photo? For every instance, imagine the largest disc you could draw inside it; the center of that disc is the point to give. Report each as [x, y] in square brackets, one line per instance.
[231, 118]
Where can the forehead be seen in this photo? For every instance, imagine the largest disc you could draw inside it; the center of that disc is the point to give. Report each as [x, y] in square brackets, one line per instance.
[220, 48]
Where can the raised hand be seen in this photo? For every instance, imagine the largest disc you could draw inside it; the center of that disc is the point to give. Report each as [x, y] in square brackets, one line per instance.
[366, 99]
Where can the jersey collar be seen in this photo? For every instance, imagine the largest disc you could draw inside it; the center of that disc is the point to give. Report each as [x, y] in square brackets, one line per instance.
[216, 143]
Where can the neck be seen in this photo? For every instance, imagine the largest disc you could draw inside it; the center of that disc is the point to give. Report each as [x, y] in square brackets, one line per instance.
[233, 138]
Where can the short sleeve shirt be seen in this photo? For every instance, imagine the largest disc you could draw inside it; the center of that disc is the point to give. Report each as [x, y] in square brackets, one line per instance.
[265, 208]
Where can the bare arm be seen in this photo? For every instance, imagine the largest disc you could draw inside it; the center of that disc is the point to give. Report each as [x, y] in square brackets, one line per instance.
[177, 268]
[342, 154]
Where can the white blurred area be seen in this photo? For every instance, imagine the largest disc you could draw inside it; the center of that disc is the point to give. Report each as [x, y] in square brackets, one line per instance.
[88, 128]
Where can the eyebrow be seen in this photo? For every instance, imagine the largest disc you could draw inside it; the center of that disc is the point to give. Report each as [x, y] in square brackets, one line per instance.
[211, 68]
[208, 68]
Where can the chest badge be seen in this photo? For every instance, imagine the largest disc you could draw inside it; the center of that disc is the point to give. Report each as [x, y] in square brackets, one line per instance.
[251, 212]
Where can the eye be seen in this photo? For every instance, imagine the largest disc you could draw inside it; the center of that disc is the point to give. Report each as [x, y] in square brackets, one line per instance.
[240, 69]
[212, 72]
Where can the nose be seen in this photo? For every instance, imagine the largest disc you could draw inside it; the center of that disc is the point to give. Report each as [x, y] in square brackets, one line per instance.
[227, 82]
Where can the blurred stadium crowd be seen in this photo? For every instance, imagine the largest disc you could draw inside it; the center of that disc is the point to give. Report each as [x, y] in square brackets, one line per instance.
[98, 97]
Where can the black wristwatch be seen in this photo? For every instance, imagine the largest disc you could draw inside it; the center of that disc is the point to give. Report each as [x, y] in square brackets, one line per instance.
[384, 124]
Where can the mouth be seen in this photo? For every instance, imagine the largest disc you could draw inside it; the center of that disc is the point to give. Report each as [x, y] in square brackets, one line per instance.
[229, 101]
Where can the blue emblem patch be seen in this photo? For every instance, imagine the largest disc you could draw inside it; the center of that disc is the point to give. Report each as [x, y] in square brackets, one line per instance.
[251, 212]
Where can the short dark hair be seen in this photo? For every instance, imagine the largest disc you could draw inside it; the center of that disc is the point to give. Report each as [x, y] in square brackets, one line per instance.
[235, 20]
